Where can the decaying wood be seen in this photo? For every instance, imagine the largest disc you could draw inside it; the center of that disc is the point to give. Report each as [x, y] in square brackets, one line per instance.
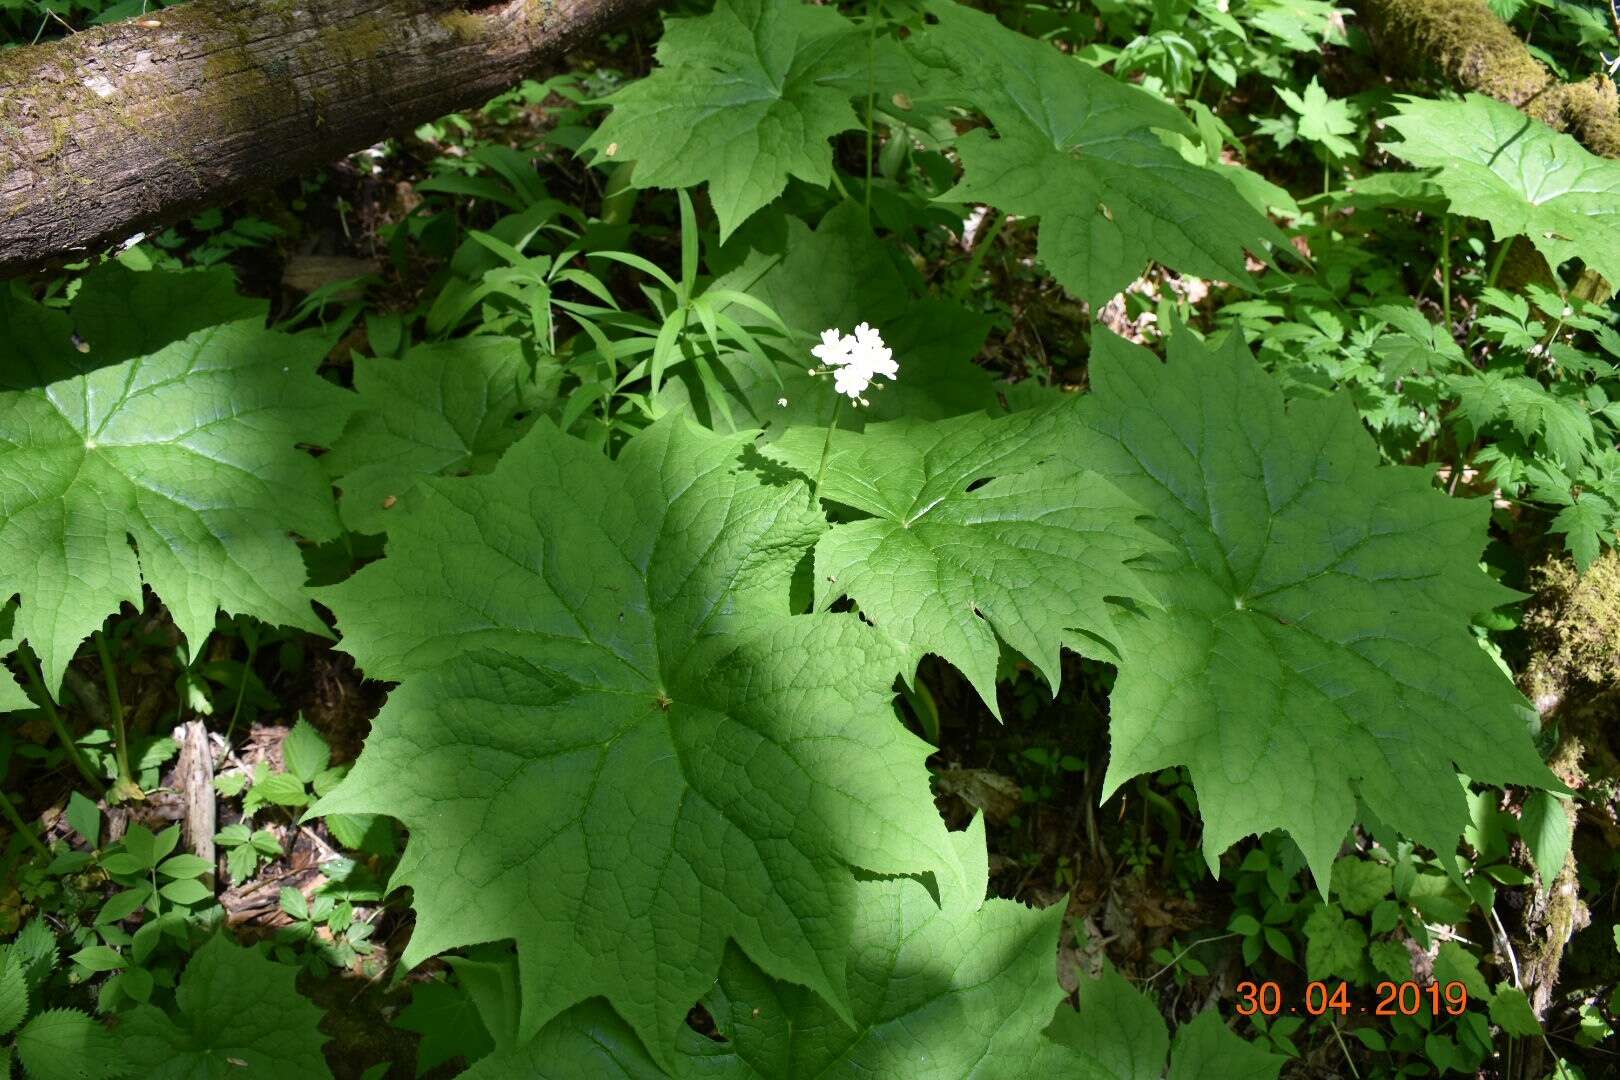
[194, 774]
[126, 126]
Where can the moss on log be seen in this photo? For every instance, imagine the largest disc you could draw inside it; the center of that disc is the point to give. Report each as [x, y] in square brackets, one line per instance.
[138, 123]
[1463, 42]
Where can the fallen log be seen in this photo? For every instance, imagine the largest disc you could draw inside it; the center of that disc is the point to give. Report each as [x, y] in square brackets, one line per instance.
[142, 122]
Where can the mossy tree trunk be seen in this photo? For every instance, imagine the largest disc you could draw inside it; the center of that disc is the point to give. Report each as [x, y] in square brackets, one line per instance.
[1463, 42]
[130, 125]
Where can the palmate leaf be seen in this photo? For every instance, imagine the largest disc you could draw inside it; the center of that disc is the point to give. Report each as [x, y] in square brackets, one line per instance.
[1118, 1034]
[238, 1014]
[1078, 149]
[744, 97]
[1314, 646]
[189, 450]
[1520, 175]
[613, 743]
[445, 408]
[940, 989]
[838, 276]
[947, 563]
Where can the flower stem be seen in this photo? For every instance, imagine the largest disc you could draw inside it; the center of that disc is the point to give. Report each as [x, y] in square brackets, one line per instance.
[1445, 269]
[36, 683]
[115, 705]
[871, 98]
[826, 445]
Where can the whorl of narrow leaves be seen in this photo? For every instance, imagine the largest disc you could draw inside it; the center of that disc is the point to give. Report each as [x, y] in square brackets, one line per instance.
[840, 274]
[1314, 645]
[1526, 179]
[1079, 150]
[182, 439]
[613, 743]
[974, 532]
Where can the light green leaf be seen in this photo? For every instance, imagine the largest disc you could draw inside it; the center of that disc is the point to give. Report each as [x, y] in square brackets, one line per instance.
[1520, 175]
[1206, 1049]
[1391, 960]
[938, 989]
[85, 818]
[189, 450]
[445, 408]
[946, 562]
[98, 958]
[1322, 119]
[277, 789]
[1300, 25]
[1361, 884]
[1453, 963]
[1510, 1011]
[1079, 150]
[185, 865]
[607, 713]
[1545, 826]
[13, 991]
[1557, 419]
[305, 752]
[232, 1004]
[1335, 945]
[186, 891]
[66, 1044]
[1315, 643]
[744, 97]
[1118, 1034]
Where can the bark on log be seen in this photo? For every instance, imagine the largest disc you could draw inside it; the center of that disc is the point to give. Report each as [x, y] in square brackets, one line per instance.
[1465, 43]
[139, 123]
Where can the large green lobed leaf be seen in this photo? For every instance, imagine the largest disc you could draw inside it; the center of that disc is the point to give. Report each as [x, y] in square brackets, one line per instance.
[237, 1014]
[189, 449]
[614, 743]
[1079, 150]
[1314, 645]
[446, 408]
[1526, 179]
[744, 97]
[975, 531]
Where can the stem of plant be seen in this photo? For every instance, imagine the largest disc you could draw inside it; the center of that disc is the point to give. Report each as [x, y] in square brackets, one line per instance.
[871, 98]
[8, 808]
[1445, 268]
[826, 446]
[981, 247]
[1497, 261]
[241, 689]
[115, 705]
[36, 683]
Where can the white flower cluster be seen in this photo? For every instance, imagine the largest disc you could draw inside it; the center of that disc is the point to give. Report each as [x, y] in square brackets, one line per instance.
[855, 360]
